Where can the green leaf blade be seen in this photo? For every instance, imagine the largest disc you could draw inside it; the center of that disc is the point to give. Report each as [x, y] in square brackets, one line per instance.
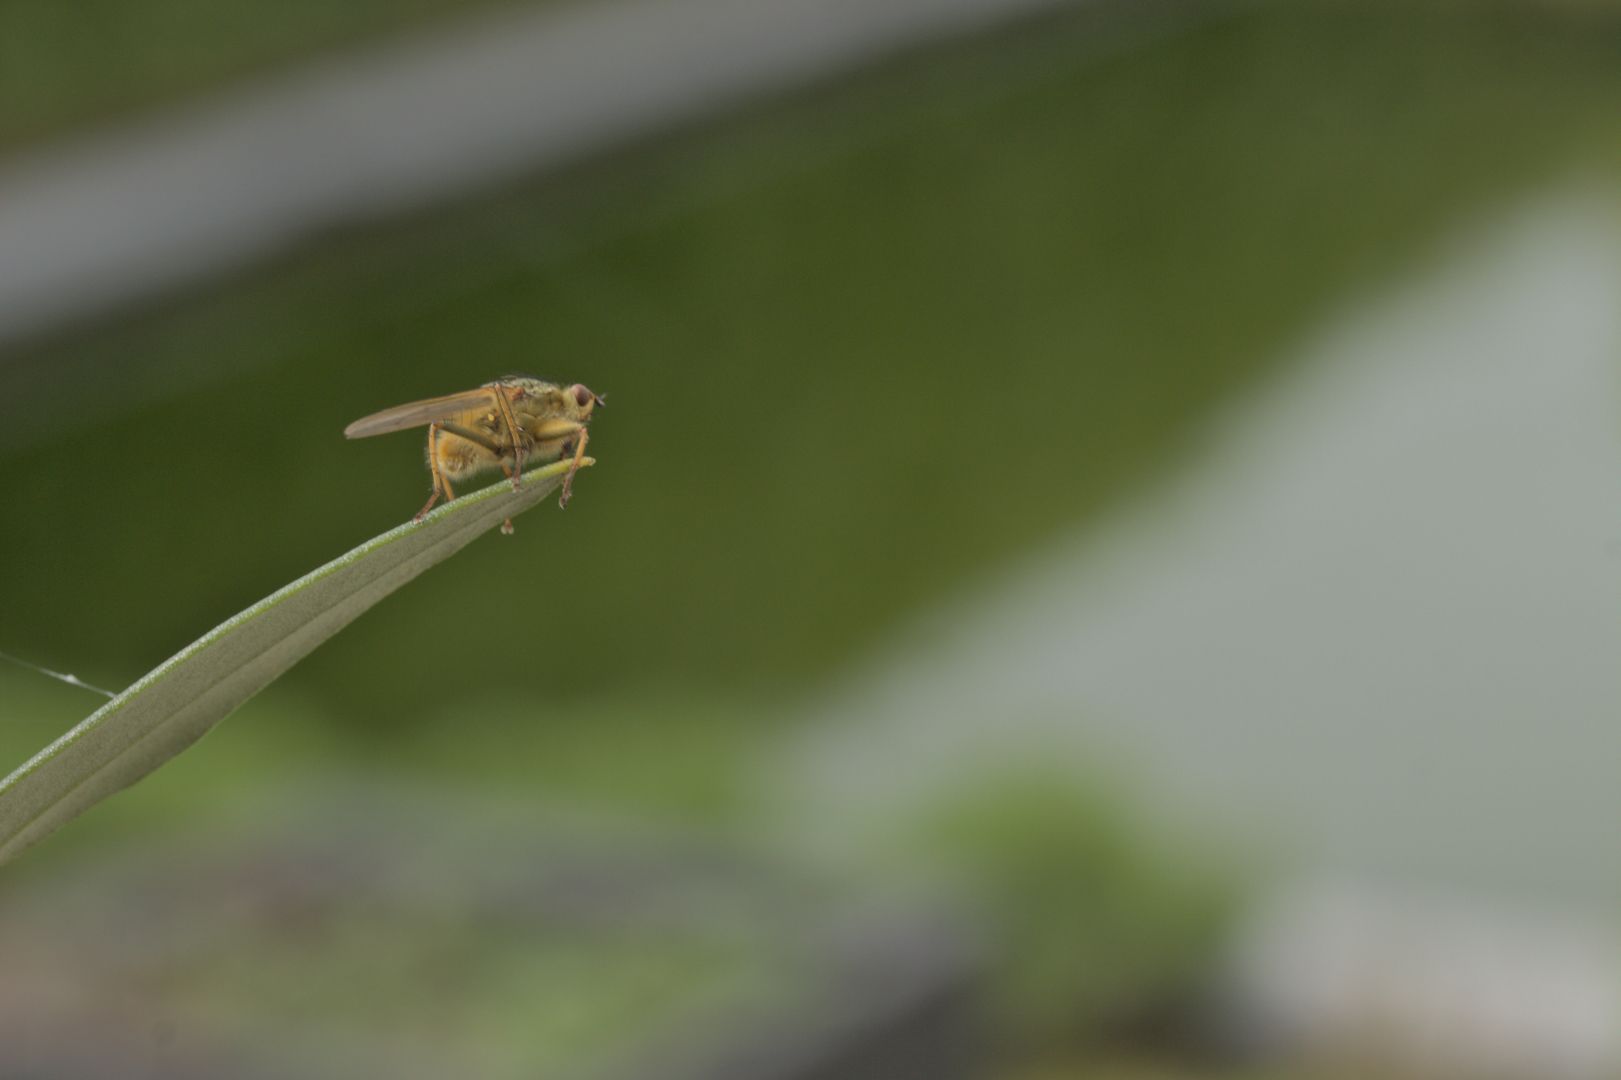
[182, 699]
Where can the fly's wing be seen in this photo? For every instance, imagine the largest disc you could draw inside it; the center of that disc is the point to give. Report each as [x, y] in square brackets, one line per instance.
[417, 413]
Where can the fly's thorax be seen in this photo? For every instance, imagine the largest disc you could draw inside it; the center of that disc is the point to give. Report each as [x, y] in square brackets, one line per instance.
[528, 384]
[552, 403]
[547, 414]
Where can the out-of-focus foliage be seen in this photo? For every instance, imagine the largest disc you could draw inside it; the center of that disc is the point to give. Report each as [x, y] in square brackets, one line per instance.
[1089, 924]
[904, 330]
[93, 60]
[361, 929]
[1108, 1069]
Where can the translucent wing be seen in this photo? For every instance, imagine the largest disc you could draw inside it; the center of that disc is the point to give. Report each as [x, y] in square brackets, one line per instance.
[416, 413]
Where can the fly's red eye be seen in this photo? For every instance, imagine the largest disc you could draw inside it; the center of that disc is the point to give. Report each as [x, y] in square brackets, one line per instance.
[582, 396]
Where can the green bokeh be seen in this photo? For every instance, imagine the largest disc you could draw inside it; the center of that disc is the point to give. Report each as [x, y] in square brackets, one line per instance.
[857, 350]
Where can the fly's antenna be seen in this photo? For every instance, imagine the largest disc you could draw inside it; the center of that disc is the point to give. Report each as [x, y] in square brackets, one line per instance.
[71, 680]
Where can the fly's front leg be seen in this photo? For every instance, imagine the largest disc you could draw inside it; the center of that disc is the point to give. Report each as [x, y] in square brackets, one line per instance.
[561, 429]
[574, 467]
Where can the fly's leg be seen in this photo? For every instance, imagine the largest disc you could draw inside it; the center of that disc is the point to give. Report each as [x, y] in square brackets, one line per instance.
[483, 440]
[559, 429]
[475, 437]
[441, 484]
[470, 435]
[574, 467]
[514, 434]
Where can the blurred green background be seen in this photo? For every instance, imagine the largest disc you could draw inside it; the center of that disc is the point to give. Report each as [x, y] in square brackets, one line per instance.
[862, 346]
[865, 346]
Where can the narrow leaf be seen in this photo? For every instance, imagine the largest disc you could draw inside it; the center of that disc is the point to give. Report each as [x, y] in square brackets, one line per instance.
[177, 702]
